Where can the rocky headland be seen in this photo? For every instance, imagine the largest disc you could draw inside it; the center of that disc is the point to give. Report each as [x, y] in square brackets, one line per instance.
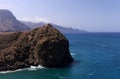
[44, 46]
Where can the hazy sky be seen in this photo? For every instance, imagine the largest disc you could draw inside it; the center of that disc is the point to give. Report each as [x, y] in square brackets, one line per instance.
[91, 15]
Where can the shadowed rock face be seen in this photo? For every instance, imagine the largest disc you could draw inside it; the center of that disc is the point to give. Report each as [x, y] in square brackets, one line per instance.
[44, 46]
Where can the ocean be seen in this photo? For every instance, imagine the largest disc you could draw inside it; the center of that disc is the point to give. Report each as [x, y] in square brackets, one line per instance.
[96, 55]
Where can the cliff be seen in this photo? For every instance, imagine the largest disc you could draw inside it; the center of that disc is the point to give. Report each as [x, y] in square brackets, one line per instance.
[44, 46]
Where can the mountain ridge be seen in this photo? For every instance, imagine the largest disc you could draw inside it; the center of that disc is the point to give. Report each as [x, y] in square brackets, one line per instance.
[8, 22]
[63, 29]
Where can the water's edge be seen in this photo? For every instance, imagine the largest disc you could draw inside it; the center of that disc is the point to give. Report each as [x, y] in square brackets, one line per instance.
[31, 68]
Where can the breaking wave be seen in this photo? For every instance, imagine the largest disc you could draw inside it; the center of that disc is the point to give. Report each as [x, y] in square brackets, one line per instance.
[72, 54]
[31, 68]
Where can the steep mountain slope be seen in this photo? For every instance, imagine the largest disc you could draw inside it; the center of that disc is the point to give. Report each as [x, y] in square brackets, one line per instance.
[8, 22]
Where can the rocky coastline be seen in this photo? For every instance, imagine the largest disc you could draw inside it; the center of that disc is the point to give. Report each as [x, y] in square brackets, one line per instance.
[44, 46]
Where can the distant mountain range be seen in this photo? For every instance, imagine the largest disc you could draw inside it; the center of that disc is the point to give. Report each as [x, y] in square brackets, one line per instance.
[8, 22]
[63, 29]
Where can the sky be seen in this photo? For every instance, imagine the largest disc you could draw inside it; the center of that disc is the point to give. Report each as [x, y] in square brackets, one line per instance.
[90, 15]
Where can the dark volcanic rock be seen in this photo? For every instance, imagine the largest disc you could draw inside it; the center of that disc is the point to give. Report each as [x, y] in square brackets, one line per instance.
[44, 46]
[8, 22]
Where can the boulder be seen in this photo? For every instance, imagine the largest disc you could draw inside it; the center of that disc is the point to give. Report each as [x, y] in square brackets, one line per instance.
[44, 46]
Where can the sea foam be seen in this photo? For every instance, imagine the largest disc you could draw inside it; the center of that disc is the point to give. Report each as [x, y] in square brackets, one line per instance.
[31, 68]
[72, 54]
[35, 67]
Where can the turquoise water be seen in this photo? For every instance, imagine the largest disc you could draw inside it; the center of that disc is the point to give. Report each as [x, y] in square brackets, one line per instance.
[97, 56]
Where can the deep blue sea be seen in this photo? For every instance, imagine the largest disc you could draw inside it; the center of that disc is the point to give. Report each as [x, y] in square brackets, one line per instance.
[96, 55]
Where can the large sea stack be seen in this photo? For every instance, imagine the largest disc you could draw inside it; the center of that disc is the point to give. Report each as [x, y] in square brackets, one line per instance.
[44, 46]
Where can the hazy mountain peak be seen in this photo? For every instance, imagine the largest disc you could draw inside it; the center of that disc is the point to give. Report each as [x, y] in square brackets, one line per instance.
[5, 11]
[8, 22]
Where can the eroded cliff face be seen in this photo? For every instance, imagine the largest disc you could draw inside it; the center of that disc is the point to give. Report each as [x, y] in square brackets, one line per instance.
[44, 46]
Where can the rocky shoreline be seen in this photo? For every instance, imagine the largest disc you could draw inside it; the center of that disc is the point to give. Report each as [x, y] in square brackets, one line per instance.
[44, 46]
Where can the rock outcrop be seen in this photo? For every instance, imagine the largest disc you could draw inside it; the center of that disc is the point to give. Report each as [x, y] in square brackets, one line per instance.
[44, 46]
[8, 22]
